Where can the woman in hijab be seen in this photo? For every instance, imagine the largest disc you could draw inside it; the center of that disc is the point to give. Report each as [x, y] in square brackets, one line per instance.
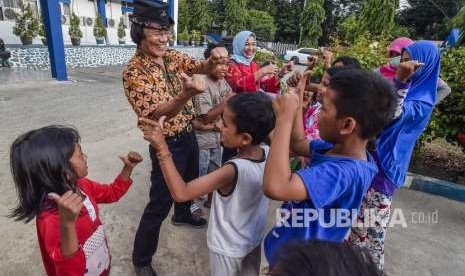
[394, 54]
[245, 75]
[417, 79]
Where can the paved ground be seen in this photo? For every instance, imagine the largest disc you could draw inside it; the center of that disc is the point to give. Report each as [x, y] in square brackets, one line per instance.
[93, 102]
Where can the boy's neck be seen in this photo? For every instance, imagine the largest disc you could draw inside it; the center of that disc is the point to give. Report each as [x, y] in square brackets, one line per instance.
[353, 147]
[254, 152]
[213, 78]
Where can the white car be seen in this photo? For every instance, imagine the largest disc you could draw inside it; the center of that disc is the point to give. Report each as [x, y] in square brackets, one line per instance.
[300, 55]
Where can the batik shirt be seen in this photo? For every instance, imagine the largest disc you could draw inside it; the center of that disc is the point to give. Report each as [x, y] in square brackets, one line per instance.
[147, 85]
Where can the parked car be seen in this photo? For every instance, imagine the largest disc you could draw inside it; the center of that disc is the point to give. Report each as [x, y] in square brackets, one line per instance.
[300, 55]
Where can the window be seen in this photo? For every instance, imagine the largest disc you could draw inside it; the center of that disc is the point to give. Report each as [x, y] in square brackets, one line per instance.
[308, 51]
[11, 4]
[66, 9]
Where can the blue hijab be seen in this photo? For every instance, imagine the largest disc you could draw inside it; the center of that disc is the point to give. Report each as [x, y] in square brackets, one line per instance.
[238, 47]
[396, 142]
[426, 76]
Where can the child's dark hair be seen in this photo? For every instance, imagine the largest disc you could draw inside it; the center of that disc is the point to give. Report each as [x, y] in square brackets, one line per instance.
[320, 258]
[210, 47]
[365, 96]
[253, 114]
[334, 70]
[39, 161]
[348, 61]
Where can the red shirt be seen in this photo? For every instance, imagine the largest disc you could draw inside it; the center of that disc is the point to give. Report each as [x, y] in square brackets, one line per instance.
[93, 257]
[241, 79]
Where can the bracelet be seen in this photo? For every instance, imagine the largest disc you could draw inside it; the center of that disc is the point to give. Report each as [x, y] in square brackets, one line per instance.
[162, 158]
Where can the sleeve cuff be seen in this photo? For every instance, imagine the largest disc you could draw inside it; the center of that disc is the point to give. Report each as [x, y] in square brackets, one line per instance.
[401, 85]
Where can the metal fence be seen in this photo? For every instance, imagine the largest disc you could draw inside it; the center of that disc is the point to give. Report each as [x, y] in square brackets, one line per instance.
[280, 48]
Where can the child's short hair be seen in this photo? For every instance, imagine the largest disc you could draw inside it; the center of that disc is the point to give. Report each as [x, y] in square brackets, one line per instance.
[365, 96]
[320, 258]
[253, 114]
[39, 161]
[348, 61]
[210, 47]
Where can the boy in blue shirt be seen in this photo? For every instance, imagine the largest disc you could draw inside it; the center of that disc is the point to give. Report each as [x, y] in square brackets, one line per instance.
[322, 199]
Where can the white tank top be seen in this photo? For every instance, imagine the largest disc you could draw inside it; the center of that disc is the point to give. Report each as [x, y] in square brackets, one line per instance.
[237, 220]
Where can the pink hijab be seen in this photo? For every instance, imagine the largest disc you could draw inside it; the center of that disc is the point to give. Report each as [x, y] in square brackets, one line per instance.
[387, 70]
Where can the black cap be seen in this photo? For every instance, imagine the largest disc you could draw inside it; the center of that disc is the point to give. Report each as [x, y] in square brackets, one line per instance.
[151, 14]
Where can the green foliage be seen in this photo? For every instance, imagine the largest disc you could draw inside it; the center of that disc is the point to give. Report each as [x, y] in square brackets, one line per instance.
[262, 24]
[121, 29]
[235, 17]
[459, 22]
[430, 19]
[262, 56]
[26, 25]
[370, 51]
[311, 19]
[201, 15]
[183, 15]
[348, 29]
[74, 29]
[448, 119]
[195, 36]
[99, 30]
[42, 27]
[378, 16]
[287, 18]
[184, 35]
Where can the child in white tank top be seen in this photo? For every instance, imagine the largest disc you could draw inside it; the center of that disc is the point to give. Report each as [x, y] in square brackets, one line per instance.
[239, 208]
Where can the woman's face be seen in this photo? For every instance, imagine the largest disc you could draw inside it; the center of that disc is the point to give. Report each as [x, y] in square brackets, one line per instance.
[155, 42]
[249, 49]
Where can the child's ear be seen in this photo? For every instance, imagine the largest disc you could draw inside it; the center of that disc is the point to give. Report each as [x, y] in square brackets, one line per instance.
[347, 125]
[246, 139]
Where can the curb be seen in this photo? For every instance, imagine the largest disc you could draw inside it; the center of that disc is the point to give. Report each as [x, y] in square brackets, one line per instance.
[435, 186]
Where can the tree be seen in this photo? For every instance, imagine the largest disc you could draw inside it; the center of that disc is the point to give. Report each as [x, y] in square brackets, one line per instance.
[235, 17]
[430, 19]
[378, 16]
[183, 16]
[337, 12]
[262, 24]
[287, 19]
[262, 5]
[74, 29]
[121, 29]
[26, 26]
[201, 15]
[311, 19]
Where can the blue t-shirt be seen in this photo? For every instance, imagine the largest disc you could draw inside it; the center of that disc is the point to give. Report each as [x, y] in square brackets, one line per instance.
[334, 184]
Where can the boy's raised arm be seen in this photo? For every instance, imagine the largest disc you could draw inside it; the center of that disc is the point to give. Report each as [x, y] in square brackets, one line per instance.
[180, 191]
[299, 144]
[279, 183]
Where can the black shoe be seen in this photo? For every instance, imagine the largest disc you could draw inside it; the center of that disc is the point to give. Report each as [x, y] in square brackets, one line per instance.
[144, 270]
[191, 221]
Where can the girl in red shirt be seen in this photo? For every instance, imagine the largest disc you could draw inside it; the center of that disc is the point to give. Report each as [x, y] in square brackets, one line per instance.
[244, 75]
[49, 170]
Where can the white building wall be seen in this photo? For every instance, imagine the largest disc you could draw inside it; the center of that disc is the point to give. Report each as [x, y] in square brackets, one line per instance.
[82, 8]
